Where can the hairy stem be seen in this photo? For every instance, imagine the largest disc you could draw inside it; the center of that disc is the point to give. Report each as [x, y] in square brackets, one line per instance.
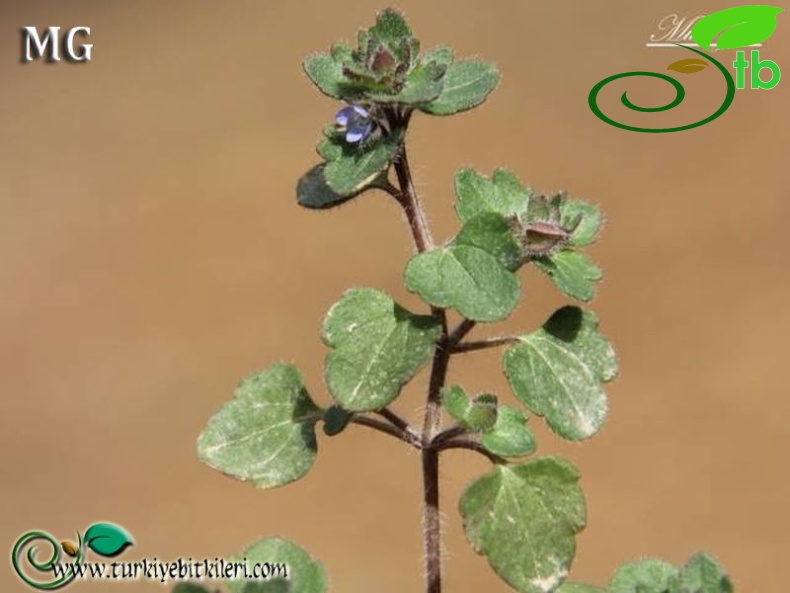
[404, 435]
[482, 344]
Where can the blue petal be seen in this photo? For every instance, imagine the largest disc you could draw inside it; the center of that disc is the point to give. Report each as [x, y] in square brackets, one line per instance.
[344, 115]
[359, 131]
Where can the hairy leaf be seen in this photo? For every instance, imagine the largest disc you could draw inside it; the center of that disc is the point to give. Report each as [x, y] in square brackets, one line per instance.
[492, 233]
[466, 278]
[523, 518]
[466, 85]
[377, 346]
[266, 433]
[312, 191]
[571, 272]
[557, 372]
[510, 436]
[502, 194]
[357, 166]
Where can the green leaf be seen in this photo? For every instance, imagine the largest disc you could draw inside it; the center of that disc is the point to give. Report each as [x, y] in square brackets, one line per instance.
[327, 74]
[335, 420]
[190, 588]
[523, 518]
[702, 574]
[571, 272]
[377, 346]
[457, 403]
[739, 26]
[557, 372]
[107, 539]
[509, 437]
[579, 588]
[587, 229]
[466, 85]
[312, 191]
[440, 55]
[266, 433]
[644, 576]
[466, 278]
[422, 85]
[476, 193]
[304, 575]
[391, 28]
[359, 165]
[490, 232]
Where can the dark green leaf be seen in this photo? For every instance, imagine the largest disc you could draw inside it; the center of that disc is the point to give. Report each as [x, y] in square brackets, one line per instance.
[466, 85]
[571, 272]
[467, 278]
[644, 576]
[304, 575]
[738, 27]
[523, 518]
[266, 433]
[313, 192]
[557, 372]
[502, 194]
[490, 232]
[335, 420]
[359, 165]
[377, 346]
[107, 539]
[509, 437]
[441, 55]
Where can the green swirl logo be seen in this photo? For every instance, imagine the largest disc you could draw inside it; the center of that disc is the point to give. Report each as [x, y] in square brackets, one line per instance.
[734, 27]
[105, 539]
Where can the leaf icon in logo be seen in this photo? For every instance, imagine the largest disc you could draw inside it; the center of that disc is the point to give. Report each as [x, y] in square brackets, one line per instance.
[107, 539]
[688, 65]
[736, 27]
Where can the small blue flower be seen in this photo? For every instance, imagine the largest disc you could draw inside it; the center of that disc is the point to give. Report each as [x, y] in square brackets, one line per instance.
[355, 122]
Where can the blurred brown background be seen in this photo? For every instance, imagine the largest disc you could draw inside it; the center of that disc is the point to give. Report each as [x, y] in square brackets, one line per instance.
[152, 254]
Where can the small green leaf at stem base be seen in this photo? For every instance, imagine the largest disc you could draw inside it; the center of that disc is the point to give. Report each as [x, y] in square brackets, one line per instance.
[572, 273]
[509, 437]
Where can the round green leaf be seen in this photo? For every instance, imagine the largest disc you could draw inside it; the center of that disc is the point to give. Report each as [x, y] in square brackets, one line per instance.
[457, 403]
[466, 85]
[377, 346]
[571, 272]
[587, 229]
[523, 518]
[327, 75]
[107, 539]
[464, 277]
[266, 433]
[302, 573]
[509, 436]
[557, 372]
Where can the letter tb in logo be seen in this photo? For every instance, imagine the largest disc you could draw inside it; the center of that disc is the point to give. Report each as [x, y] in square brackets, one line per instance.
[50, 46]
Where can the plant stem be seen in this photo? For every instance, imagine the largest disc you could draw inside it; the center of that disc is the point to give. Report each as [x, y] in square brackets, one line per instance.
[482, 344]
[404, 435]
[471, 446]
